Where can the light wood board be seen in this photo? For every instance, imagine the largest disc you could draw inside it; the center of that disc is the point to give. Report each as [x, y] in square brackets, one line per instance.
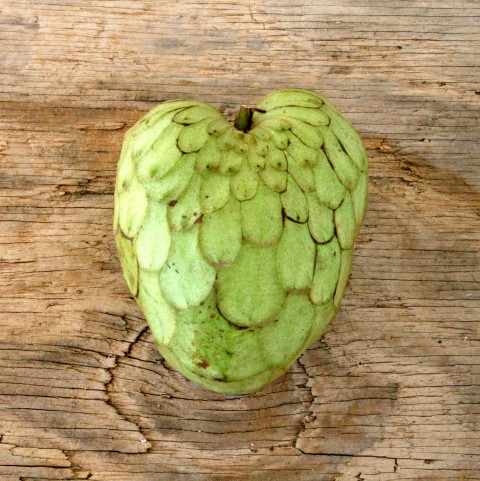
[390, 393]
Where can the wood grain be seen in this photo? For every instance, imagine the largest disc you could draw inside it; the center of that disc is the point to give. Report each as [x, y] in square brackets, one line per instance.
[390, 393]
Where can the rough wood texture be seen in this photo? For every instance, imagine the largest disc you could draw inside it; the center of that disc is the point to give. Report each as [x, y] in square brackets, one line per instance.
[391, 393]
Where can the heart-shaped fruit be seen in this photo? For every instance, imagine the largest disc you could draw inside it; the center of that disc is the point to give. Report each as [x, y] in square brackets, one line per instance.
[236, 240]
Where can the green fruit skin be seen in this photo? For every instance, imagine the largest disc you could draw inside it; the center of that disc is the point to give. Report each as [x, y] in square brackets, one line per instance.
[237, 244]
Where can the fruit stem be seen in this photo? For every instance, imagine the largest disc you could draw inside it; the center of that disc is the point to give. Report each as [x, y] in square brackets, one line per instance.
[243, 119]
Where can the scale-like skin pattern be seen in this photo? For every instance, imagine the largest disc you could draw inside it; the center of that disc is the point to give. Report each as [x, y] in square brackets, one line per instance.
[236, 245]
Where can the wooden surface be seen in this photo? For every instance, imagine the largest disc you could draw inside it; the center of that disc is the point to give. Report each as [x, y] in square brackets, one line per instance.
[392, 390]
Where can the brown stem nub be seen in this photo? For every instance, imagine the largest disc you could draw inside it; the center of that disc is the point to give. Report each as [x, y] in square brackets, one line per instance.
[243, 119]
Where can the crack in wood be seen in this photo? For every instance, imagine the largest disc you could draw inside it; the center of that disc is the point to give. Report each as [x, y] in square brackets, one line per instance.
[108, 385]
[308, 416]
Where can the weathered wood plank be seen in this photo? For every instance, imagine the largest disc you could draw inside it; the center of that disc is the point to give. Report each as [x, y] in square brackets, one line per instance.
[390, 393]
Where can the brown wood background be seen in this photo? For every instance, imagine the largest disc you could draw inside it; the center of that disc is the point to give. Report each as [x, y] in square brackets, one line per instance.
[391, 393]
